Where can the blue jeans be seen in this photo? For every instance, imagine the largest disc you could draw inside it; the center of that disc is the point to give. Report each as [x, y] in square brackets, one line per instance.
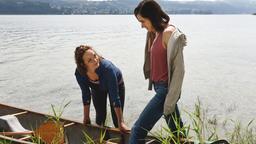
[151, 114]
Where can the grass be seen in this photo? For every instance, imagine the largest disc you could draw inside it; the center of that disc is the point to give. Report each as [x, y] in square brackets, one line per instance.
[89, 140]
[58, 111]
[203, 129]
[242, 134]
[102, 136]
[36, 139]
[5, 142]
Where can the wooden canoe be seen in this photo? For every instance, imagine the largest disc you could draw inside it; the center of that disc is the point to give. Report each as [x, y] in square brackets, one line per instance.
[74, 131]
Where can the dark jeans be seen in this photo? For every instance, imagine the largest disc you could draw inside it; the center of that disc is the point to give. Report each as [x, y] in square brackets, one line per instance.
[99, 98]
[152, 113]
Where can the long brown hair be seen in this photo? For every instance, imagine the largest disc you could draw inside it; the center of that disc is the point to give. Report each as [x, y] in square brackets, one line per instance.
[79, 53]
[151, 10]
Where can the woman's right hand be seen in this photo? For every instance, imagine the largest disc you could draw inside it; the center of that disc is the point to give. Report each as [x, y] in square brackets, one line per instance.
[86, 121]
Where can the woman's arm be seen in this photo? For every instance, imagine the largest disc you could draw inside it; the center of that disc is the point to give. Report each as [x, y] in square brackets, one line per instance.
[83, 83]
[87, 119]
[122, 126]
[115, 98]
[86, 97]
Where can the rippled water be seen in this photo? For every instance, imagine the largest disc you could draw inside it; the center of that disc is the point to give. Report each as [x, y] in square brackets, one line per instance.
[37, 64]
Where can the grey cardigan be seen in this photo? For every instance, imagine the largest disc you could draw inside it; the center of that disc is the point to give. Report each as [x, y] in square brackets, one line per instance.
[176, 70]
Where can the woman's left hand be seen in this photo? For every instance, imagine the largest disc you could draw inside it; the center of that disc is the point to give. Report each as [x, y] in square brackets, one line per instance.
[123, 128]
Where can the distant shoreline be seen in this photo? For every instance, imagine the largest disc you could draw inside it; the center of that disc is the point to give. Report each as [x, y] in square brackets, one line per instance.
[124, 14]
[119, 7]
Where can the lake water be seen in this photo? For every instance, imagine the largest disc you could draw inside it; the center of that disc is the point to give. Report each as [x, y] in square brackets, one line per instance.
[37, 64]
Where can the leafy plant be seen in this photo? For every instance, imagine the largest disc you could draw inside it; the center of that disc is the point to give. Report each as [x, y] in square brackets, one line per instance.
[57, 112]
[52, 131]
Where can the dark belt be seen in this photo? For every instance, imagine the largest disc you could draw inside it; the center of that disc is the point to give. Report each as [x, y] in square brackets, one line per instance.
[161, 83]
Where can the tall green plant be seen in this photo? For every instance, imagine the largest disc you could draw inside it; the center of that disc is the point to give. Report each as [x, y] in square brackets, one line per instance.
[203, 127]
[166, 136]
[200, 128]
[100, 140]
[58, 111]
[88, 139]
[241, 134]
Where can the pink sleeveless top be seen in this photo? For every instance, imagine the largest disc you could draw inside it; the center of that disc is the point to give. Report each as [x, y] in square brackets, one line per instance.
[159, 72]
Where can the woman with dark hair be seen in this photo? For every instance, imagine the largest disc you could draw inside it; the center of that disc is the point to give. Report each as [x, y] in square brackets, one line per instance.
[164, 67]
[98, 77]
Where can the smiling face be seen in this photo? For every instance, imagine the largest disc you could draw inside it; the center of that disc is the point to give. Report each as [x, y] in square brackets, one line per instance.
[91, 60]
[145, 23]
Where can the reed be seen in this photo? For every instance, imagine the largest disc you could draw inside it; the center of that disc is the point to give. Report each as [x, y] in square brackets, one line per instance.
[203, 129]
[90, 140]
[102, 136]
[241, 134]
[58, 111]
[3, 141]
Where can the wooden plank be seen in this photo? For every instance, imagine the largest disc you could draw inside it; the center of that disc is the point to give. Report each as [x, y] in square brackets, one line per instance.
[70, 124]
[15, 133]
[25, 137]
[14, 141]
[20, 113]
